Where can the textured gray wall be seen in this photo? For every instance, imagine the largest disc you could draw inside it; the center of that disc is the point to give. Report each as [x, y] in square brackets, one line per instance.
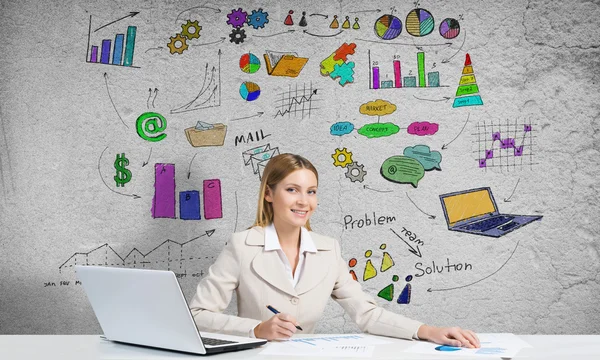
[63, 121]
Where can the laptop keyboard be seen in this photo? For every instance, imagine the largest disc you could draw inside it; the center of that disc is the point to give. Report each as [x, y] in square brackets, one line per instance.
[213, 342]
[487, 224]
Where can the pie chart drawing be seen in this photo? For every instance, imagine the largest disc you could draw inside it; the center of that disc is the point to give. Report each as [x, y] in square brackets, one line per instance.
[249, 91]
[449, 28]
[388, 27]
[419, 22]
[249, 63]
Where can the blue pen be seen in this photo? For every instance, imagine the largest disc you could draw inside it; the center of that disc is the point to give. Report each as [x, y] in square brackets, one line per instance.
[275, 311]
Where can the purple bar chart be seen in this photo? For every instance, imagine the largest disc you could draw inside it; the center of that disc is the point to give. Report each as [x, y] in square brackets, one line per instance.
[163, 203]
[213, 208]
[416, 79]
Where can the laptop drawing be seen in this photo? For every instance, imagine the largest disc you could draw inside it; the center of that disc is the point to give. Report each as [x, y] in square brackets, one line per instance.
[475, 211]
[147, 307]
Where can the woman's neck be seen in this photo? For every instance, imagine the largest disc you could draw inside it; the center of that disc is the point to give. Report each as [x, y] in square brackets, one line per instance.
[289, 236]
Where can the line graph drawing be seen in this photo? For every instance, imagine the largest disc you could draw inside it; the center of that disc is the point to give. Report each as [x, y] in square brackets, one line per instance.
[297, 101]
[506, 145]
[168, 255]
[209, 94]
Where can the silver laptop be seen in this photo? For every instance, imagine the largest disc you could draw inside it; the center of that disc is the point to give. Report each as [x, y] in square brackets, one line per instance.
[147, 307]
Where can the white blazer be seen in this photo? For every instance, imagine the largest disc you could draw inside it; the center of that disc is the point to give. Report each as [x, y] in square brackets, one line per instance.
[259, 280]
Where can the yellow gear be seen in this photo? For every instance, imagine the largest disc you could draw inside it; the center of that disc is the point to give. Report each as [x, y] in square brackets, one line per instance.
[347, 157]
[186, 29]
[174, 49]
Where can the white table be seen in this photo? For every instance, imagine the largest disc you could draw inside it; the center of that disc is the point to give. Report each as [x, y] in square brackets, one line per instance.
[81, 347]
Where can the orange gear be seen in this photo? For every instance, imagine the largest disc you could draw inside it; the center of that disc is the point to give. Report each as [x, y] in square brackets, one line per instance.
[172, 44]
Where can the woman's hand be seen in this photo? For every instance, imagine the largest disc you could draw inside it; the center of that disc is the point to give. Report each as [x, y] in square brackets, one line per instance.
[280, 326]
[452, 336]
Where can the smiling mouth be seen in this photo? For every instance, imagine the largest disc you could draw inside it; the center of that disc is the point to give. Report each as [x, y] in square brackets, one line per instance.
[299, 212]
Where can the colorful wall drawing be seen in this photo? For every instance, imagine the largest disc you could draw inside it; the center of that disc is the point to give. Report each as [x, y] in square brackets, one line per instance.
[358, 89]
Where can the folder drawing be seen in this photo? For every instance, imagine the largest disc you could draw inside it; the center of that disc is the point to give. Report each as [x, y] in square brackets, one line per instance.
[206, 134]
[284, 64]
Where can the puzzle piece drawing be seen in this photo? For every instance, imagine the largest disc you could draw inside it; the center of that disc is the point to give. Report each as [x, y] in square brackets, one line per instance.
[345, 72]
[327, 65]
[343, 51]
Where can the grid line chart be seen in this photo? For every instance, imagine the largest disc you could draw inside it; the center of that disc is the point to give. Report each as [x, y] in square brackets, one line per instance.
[297, 101]
[505, 146]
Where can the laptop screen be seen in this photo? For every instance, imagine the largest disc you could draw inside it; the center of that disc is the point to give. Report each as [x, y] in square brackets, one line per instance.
[466, 205]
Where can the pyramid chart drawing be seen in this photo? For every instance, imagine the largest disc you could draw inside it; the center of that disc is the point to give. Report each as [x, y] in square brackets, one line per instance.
[467, 92]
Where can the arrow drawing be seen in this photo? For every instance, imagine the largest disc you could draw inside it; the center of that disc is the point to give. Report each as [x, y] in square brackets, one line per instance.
[111, 100]
[416, 251]
[131, 14]
[445, 146]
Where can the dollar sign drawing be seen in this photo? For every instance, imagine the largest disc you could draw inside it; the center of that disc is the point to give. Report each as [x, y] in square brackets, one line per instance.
[123, 175]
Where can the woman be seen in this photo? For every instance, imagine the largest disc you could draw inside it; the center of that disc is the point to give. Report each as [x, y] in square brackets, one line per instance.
[280, 262]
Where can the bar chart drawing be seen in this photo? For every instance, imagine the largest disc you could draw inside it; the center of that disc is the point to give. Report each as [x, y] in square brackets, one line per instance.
[164, 201]
[118, 50]
[422, 79]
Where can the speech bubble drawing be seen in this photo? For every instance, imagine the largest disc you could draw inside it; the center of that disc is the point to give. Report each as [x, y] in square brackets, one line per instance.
[403, 170]
[377, 108]
[341, 128]
[377, 130]
[422, 128]
[429, 159]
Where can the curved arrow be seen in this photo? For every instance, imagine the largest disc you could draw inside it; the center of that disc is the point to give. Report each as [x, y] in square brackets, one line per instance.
[317, 35]
[197, 7]
[325, 16]
[210, 43]
[445, 146]
[430, 216]
[363, 11]
[382, 191]
[459, 49]
[101, 178]
[111, 100]
[410, 44]
[513, 192]
[190, 167]
[281, 33]
[146, 162]
[446, 98]
[259, 114]
[473, 283]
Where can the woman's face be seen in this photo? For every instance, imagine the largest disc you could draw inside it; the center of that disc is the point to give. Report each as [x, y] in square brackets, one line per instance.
[294, 199]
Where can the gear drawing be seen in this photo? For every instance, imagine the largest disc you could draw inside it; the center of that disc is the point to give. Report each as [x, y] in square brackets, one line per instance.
[237, 36]
[347, 157]
[258, 18]
[191, 25]
[345, 72]
[237, 18]
[173, 48]
[350, 173]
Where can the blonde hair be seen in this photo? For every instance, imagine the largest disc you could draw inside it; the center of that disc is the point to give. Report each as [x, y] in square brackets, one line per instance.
[276, 170]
